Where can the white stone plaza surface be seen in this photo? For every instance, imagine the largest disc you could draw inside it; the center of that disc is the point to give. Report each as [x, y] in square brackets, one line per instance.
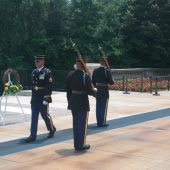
[138, 137]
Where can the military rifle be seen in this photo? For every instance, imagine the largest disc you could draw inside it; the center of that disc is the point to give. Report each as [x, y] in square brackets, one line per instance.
[105, 59]
[104, 56]
[80, 58]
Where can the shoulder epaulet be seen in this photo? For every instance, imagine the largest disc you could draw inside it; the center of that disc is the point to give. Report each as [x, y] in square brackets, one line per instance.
[71, 72]
[34, 71]
[47, 70]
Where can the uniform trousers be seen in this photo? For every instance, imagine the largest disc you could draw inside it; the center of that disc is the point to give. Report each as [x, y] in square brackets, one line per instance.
[80, 123]
[101, 110]
[44, 110]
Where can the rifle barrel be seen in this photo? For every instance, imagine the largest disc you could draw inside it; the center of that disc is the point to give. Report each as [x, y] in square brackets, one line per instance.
[104, 56]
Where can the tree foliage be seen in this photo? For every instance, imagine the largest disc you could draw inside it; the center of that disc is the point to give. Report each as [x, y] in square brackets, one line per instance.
[133, 33]
[145, 33]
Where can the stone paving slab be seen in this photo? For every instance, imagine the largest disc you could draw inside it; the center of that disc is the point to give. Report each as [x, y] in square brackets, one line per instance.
[138, 137]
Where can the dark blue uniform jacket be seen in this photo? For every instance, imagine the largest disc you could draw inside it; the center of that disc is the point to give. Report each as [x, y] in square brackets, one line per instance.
[78, 80]
[103, 76]
[41, 86]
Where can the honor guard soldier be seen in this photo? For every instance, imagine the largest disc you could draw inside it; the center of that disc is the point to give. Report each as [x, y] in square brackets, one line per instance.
[78, 88]
[101, 78]
[41, 97]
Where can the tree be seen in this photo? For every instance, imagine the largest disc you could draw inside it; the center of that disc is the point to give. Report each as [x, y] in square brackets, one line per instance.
[133, 33]
[58, 27]
[84, 20]
[145, 32]
[9, 33]
[108, 31]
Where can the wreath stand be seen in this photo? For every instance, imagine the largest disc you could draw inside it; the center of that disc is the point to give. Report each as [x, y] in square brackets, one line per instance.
[5, 96]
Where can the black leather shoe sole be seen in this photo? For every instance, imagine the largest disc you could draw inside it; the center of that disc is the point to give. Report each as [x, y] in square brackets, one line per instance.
[51, 134]
[86, 147]
[29, 140]
[104, 125]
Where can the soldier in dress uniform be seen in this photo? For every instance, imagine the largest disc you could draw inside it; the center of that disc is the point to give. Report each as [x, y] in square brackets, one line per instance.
[101, 78]
[78, 88]
[41, 97]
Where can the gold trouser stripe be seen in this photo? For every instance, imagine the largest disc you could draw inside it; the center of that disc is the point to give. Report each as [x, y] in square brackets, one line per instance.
[85, 133]
[105, 114]
[49, 116]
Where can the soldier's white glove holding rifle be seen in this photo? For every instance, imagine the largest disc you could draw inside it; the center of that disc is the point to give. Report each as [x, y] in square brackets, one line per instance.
[95, 90]
[45, 103]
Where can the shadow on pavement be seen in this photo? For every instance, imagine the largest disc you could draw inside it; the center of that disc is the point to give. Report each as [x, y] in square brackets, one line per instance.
[69, 152]
[18, 145]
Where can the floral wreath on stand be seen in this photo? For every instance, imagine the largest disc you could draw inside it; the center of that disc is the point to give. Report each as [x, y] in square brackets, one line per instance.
[9, 87]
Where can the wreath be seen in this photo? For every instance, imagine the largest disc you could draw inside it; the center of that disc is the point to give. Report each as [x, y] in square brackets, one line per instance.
[9, 87]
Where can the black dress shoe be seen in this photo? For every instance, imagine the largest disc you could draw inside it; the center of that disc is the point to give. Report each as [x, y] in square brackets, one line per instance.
[51, 134]
[105, 125]
[99, 125]
[30, 139]
[85, 147]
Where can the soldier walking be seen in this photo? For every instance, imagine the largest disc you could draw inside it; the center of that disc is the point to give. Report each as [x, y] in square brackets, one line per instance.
[41, 97]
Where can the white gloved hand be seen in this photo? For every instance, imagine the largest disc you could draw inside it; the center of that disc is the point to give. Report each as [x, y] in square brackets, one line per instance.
[45, 103]
[75, 66]
[95, 89]
[95, 92]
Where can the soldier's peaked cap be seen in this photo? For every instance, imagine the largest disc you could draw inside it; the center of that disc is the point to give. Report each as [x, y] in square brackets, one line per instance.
[40, 57]
[103, 58]
[85, 59]
[78, 60]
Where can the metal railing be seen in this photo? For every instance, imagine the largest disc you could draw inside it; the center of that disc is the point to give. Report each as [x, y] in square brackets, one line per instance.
[141, 79]
[126, 80]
